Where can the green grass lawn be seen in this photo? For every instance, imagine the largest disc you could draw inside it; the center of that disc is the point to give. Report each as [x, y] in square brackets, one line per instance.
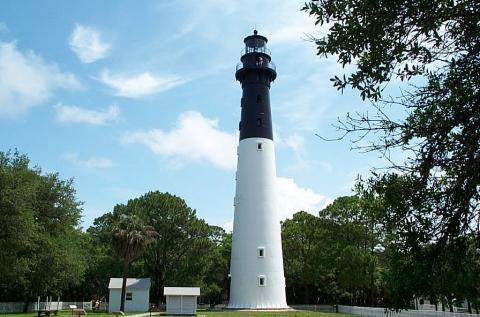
[64, 313]
[295, 313]
[204, 313]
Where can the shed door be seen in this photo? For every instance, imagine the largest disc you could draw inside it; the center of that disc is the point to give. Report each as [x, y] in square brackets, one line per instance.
[174, 304]
[189, 304]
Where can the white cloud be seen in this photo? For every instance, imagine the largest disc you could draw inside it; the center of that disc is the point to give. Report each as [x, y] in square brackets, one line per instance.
[298, 28]
[199, 17]
[98, 162]
[139, 85]
[94, 162]
[87, 44]
[292, 198]
[228, 226]
[27, 81]
[193, 138]
[302, 163]
[81, 115]
[296, 142]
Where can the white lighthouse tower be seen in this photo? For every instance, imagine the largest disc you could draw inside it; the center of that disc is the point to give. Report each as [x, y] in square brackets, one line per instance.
[257, 279]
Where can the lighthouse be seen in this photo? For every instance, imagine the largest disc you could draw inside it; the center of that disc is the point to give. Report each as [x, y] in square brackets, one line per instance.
[256, 270]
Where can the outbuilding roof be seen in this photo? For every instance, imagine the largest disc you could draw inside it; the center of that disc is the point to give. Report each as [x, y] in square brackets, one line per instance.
[184, 291]
[132, 283]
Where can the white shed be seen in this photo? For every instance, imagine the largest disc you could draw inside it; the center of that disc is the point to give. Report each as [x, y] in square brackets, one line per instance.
[136, 298]
[181, 300]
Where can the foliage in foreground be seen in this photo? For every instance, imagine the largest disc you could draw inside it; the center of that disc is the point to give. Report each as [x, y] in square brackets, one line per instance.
[434, 45]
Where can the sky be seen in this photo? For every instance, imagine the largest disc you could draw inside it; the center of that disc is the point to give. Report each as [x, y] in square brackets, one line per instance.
[127, 97]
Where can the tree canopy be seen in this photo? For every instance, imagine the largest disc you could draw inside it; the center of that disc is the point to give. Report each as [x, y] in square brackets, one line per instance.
[433, 47]
[187, 251]
[41, 245]
[330, 258]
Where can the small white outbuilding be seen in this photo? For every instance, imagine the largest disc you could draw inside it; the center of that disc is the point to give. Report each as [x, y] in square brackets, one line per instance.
[181, 300]
[136, 298]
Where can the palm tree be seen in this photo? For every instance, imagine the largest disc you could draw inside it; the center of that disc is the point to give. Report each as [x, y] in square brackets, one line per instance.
[130, 239]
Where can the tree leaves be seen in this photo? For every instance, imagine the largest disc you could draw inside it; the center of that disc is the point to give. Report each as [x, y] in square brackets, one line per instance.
[435, 45]
[329, 259]
[41, 248]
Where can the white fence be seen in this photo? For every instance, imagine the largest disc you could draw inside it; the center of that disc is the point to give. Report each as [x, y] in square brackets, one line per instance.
[50, 306]
[17, 307]
[382, 312]
[11, 307]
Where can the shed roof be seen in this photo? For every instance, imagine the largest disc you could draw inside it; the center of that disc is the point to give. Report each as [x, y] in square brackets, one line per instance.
[132, 283]
[185, 291]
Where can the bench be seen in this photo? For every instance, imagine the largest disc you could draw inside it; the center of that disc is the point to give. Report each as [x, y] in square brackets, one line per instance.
[78, 311]
[72, 307]
[118, 313]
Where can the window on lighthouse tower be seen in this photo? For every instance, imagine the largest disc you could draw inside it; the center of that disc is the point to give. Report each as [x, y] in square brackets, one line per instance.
[261, 252]
[261, 280]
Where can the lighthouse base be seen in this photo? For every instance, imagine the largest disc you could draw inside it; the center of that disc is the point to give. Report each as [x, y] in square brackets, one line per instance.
[288, 309]
[270, 309]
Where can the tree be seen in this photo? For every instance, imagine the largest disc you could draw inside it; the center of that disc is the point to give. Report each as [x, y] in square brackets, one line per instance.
[41, 245]
[215, 281]
[434, 46]
[103, 262]
[183, 252]
[178, 256]
[431, 42]
[418, 266]
[358, 222]
[301, 243]
[330, 258]
[130, 238]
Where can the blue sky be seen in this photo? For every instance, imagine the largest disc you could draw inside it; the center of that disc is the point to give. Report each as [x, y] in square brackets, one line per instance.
[128, 97]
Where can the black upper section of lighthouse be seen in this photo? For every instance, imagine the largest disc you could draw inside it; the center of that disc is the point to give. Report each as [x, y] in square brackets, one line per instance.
[255, 72]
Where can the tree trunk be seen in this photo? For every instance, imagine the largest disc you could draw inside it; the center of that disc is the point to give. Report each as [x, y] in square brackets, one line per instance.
[159, 283]
[372, 285]
[307, 294]
[161, 292]
[469, 307]
[25, 306]
[158, 293]
[156, 290]
[124, 285]
[450, 304]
